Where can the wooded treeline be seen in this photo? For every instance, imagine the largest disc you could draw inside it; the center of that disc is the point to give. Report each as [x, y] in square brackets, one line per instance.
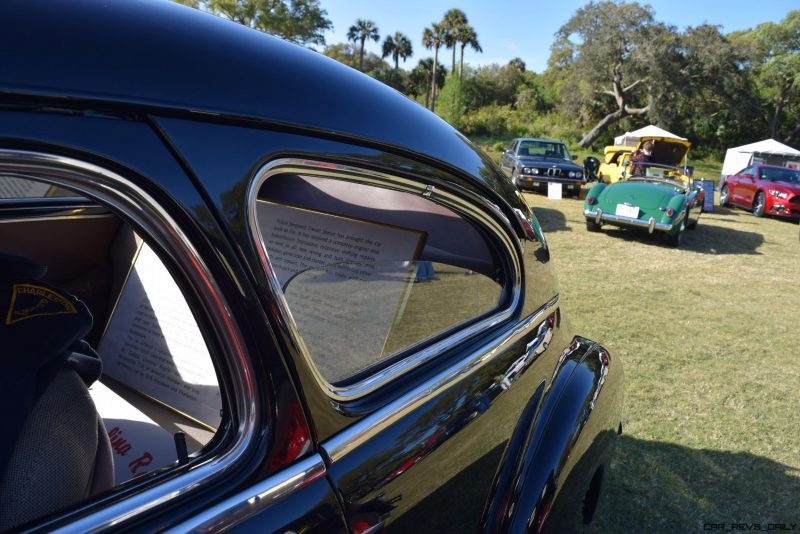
[612, 67]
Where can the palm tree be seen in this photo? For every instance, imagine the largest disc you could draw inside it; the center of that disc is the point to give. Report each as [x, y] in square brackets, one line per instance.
[466, 36]
[420, 79]
[361, 31]
[433, 37]
[453, 21]
[398, 47]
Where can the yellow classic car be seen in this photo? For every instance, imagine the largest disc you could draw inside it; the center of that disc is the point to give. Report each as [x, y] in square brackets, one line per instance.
[666, 150]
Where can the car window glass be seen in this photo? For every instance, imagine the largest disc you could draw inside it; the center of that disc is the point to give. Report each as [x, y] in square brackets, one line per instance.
[13, 188]
[544, 149]
[779, 174]
[158, 378]
[369, 272]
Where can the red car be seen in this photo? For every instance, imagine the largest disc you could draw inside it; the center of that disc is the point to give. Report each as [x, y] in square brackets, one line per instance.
[764, 189]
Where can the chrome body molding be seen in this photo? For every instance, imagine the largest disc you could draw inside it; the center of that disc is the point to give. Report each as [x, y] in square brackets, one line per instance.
[135, 204]
[255, 499]
[353, 437]
[651, 224]
[499, 225]
[545, 179]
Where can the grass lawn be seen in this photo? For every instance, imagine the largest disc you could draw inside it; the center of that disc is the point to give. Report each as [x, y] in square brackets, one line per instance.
[709, 338]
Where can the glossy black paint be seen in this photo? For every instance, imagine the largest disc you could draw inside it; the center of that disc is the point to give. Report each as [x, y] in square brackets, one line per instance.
[191, 120]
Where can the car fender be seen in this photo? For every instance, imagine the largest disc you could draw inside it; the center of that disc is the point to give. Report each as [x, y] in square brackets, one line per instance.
[594, 192]
[538, 487]
[678, 204]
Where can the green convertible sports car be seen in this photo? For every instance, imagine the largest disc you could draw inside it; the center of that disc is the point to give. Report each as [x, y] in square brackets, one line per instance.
[653, 198]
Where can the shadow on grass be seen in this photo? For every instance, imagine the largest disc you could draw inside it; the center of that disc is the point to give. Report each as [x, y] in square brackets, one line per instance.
[663, 485]
[551, 220]
[706, 239]
[711, 239]
[735, 213]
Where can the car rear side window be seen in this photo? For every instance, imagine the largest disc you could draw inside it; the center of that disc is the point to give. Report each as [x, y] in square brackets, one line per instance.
[88, 279]
[369, 273]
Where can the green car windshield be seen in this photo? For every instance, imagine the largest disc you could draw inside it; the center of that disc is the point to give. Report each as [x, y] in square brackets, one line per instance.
[543, 149]
[658, 172]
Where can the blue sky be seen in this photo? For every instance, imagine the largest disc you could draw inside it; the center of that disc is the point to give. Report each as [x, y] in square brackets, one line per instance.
[525, 28]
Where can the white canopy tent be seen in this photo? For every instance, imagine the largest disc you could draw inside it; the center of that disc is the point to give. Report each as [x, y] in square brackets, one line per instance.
[767, 151]
[631, 138]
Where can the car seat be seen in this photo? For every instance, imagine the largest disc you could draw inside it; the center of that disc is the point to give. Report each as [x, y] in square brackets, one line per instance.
[54, 449]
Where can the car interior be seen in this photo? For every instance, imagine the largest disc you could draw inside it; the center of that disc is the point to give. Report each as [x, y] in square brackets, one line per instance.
[83, 437]
[408, 270]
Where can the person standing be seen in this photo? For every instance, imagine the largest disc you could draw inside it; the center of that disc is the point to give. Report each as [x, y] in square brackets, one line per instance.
[640, 158]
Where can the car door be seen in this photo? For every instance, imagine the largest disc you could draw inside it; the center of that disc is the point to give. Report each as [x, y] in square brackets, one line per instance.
[257, 467]
[746, 187]
[507, 159]
[413, 434]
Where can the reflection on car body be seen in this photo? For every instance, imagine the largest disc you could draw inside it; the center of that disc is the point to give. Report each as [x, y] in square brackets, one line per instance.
[283, 234]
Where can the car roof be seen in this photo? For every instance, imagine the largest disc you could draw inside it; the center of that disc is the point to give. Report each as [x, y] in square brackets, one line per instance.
[164, 55]
[540, 140]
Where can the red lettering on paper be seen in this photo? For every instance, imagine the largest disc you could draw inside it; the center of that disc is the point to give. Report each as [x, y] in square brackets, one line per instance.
[142, 461]
[118, 444]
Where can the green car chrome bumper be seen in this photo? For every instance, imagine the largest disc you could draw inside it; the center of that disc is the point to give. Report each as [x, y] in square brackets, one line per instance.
[651, 224]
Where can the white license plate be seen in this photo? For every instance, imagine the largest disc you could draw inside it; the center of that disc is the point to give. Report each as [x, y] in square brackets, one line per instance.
[570, 187]
[536, 184]
[628, 211]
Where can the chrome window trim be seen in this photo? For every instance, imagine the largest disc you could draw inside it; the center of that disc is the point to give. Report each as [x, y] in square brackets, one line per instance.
[130, 200]
[416, 187]
[356, 435]
[256, 498]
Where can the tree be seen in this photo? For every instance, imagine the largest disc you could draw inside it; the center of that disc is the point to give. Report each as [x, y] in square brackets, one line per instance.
[454, 21]
[699, 88]
[451, 101]
[361, 31]
[397, 46]
[348, 54]
[605, 55]
[492, 84]
[420, 79]
[517, 64]
[466, 36]
[773, 56]
[299, 21]
[433, 37]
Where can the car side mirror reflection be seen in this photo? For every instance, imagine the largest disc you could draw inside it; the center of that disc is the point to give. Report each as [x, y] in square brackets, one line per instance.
[748, 176]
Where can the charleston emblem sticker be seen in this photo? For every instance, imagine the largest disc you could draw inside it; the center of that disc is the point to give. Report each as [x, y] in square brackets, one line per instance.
[29, 301]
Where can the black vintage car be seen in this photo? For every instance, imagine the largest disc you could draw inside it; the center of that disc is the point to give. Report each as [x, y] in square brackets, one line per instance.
[233, 227]
[535, 163]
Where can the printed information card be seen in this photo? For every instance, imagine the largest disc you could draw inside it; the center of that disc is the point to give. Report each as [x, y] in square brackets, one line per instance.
[153, 344]
[345, 280]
